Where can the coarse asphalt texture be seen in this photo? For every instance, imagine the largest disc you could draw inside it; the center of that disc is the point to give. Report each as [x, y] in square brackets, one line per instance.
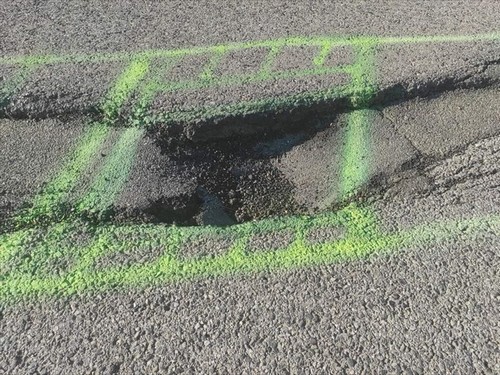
[268, 187]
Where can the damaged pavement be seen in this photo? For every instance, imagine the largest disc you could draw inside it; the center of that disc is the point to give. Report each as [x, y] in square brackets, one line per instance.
[238, 222]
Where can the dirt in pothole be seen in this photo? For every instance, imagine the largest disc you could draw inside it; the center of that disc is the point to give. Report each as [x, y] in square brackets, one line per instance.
[235, 182]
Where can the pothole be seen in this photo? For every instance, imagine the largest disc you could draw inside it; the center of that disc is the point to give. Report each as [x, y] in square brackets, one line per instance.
[232, 181]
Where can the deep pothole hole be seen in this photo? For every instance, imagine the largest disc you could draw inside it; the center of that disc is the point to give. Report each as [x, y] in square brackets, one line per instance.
[233, 180]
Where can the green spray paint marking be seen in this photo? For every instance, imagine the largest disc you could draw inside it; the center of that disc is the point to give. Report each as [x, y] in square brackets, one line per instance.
[320, 58]
[363, 74]
[319, 41]
[360, 90]
[114, 174]
[156, 73]
[31, 276]
[139, 66]
[124, 86]
[354, 170]
[237, 259]
[55, 194]
[356, 153]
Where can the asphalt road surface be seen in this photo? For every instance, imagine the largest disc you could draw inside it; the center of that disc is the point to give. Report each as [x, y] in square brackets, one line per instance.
[275, 187]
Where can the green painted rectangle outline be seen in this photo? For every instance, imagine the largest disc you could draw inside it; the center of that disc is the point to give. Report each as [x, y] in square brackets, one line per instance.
[364, 235]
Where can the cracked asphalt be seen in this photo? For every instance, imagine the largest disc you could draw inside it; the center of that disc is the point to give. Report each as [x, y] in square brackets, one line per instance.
[428, 303]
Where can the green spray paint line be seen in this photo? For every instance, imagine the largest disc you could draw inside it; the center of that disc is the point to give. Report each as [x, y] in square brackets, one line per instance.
[265, 73]
[320, 58]
[123, 87]
[276, 43]
[114, 173]
[237, 260]
[355, 156]
[155, 86]
[107, 239]
[363, 74]
[55, 194]
[158, 53]
[356, 153]
[494, 36]
[139, 64]
[207, 79]
[147, 90]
